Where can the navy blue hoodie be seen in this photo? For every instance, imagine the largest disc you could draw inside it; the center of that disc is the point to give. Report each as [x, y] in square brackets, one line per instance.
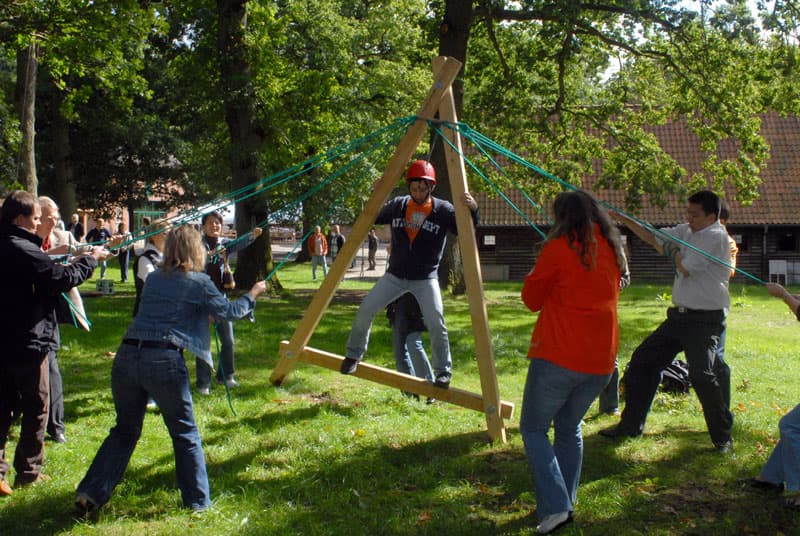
[420, 259]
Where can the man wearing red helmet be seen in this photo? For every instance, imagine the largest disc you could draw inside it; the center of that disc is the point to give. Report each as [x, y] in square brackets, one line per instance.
[419, 224]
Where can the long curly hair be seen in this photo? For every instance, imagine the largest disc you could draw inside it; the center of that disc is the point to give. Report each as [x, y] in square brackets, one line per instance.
[575, 213]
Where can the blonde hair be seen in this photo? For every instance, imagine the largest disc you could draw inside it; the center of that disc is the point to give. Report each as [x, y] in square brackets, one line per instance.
[157, 227]
[184, 251]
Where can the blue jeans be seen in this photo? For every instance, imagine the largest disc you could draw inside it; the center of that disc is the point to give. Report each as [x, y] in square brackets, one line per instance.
[410, 356]
[161, 374]
[783, 465]
[315, 260]
[560, 396]
[226, 363]
[388, 288]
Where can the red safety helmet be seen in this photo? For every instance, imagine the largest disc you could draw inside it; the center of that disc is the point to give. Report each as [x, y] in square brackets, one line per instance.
[421, 170]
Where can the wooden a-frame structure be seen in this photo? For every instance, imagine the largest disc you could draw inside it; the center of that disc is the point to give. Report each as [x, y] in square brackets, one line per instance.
[440, 98]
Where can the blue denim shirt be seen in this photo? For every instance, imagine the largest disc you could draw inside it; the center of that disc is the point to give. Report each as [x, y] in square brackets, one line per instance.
[176, 307]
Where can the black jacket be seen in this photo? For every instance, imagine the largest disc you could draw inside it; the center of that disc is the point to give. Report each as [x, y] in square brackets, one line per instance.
[30, 285]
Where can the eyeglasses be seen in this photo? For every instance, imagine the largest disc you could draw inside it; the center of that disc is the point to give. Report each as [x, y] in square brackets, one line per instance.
[419, 186]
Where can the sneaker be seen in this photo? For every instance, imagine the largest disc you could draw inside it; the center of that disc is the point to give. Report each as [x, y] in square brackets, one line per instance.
[724, 447]
[443, 380]
[230, 382]
[5, 487]
[205, 391]
[349, 365]
[430, 400]
[151, 404]
[84, 506]
[618, 431]
[553, 522]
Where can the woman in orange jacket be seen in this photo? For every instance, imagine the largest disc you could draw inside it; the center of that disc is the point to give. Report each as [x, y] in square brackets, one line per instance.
[575, 287]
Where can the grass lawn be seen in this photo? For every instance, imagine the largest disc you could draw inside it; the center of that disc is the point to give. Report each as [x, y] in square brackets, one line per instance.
[330, 454]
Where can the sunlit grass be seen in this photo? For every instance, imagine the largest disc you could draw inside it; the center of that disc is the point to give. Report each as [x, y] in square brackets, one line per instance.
[328, 454]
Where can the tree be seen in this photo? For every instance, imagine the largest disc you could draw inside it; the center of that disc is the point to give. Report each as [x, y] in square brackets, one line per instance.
[573, 83]
[80, 48]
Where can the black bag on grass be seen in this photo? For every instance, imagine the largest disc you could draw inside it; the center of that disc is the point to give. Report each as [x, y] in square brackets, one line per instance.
[675, 377]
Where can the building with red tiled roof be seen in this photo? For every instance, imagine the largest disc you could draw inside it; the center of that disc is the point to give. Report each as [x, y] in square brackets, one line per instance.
[767, 230]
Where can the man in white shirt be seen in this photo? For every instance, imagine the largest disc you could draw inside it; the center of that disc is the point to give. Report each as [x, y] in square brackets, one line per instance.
[693, 325]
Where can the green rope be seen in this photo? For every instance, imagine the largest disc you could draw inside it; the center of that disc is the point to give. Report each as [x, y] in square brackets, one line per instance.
[494, 186]
[474, 136]
[384, 147]
[73, 310]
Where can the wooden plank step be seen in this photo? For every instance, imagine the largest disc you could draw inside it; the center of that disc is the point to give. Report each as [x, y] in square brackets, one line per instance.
[401, 381]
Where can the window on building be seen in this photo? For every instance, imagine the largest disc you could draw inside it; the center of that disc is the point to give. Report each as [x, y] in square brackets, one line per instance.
[741, 242]
[488, 242]
[787, 242]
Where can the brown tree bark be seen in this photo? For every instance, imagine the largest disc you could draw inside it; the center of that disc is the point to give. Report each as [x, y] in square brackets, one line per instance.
[64, 188]
[247, 138]
[453, 38]
[25, 96]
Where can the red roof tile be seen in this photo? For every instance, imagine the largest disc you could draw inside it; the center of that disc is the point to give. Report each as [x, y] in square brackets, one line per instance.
[778, 203]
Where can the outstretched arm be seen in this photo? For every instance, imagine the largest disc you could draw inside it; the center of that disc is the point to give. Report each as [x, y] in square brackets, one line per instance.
[779, 292]
[637, 229]
[648, 236]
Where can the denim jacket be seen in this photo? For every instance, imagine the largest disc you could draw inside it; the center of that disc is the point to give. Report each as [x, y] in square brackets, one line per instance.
[176, 307]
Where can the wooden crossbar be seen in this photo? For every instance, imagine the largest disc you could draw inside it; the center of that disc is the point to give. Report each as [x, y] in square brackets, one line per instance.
[404, 382]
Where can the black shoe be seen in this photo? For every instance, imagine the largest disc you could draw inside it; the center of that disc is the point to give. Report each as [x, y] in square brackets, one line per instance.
[619, 431]
[59, 438]
[349, 365]
[430, 400]
[85, 508]
[765, 485]
[443, 380]
[724, 447]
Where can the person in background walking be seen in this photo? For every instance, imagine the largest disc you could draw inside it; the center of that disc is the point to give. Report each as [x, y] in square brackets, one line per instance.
[124, 251]
[372, 247]
[98, 237]
[318, 248]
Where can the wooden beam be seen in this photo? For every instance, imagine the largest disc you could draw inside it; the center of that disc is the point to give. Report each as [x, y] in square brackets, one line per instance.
[468, 245]
[404, 382]
[448, 69]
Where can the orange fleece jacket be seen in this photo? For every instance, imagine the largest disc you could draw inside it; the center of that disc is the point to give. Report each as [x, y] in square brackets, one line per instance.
[577, 326]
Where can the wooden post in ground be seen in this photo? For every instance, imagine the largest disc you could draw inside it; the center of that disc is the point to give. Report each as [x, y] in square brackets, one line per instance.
[446, 73]
[468, 245]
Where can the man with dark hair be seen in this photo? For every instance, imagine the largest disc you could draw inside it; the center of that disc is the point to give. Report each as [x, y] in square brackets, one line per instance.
[694, 323]
[419, 225]
[99, 236]
[32, 282]
[335, 242]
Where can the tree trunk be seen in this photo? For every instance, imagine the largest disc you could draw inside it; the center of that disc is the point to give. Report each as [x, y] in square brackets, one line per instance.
[254, 263]
[26, 108]
[453, 37]
[64, 188]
